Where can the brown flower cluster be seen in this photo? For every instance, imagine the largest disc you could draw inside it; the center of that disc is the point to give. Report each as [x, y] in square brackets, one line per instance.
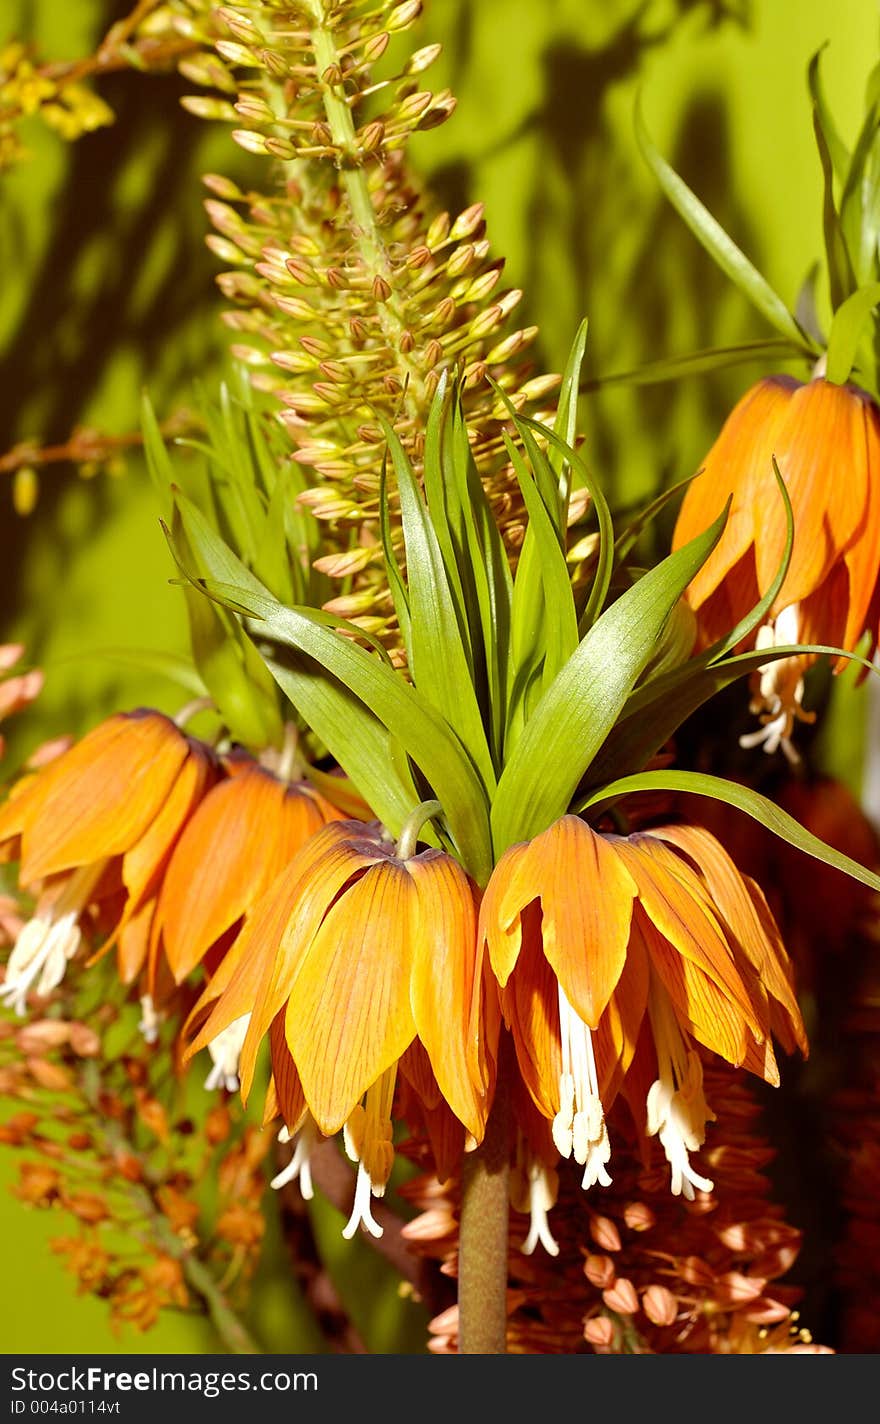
[638, 1270]
[103, 1140]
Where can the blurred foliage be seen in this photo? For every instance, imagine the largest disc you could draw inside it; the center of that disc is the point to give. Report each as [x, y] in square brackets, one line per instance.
[109, 289]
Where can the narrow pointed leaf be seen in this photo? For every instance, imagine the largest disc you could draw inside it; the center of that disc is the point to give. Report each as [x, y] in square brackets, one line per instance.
[841, 278]
[846, 331]
[721, 248]
[578, 711]
[408, 717]
[440, 667]
[766, 812]
[655, 711]
[673, 368]
[837, 149]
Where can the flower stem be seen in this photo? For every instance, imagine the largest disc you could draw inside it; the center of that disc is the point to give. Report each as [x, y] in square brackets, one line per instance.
[483, 1234]
[409, 836]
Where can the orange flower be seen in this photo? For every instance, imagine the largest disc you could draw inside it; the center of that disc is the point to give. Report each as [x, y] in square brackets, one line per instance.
[242, 835]
[353, 954]
[826, 441]
[594, 939]
[95, 828]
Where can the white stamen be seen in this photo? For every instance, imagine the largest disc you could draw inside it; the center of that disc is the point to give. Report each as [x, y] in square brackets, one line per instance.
[225, 1051]
[50, 939]
[150, 1019]
[676, 1106]
[579, 1127]
[40, 956]
[543, 1186]
[300, 1163]
[778, 689]
[367, 1136]
[361, 1214]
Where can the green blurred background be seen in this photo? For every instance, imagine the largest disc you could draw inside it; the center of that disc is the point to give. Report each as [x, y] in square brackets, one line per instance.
[107, 287]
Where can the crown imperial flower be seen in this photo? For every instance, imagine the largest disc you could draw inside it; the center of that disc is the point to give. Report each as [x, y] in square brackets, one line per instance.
[825, 439]
[352, 954]
[593, 937]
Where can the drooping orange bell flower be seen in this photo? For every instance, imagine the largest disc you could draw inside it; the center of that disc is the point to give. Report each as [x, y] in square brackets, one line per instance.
[243, 833]
[826, 441]
[97, 826]
[353, 953]
[595, 938]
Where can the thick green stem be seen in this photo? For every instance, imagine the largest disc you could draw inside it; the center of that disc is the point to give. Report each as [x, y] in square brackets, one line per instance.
[483, 1234]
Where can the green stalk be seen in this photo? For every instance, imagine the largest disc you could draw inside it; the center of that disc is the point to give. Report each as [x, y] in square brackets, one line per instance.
[483, 1233]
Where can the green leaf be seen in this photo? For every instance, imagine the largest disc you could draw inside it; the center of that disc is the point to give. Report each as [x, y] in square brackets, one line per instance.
[565, 424]
[846, 331]
[396, 585]
[658, 708]
[578, 711]
[674, 368]
[836, 148]
[766, 812]
[440, 665]
[605, 559]
[159, 466]
[841, 278]
[715, 240]
[220, 653]
[859, 201]
[273, 564]
[485, 560]
[407, 716]
[356, 739]
[544, 630]
[627, 538]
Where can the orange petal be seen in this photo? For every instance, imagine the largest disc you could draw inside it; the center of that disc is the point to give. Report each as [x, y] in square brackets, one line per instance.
[586, 896]
[531, 1009]
[500, 910]
[240, 838]
[101, 796]
[701, 1007]
[415, 1065]
[349, 1016]
[133, 943]
[742, 906]
[288, 1088]
[863, 555]
[674, 899]
[821, 453]
[145, 862]
[738, 464]
[614, 1042]
[270, 947]
[442, 988]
